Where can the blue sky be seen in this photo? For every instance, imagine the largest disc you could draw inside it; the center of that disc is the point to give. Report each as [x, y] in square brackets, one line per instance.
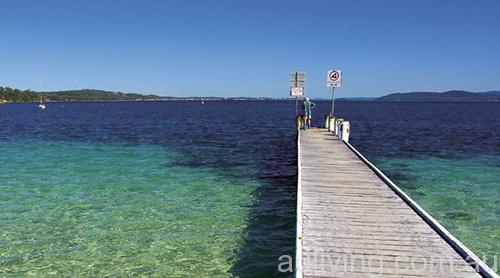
[248, 48]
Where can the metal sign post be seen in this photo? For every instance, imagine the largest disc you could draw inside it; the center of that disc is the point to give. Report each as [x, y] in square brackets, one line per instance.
[297, 87]
[333, 101]
[334, 80]
[296, 106]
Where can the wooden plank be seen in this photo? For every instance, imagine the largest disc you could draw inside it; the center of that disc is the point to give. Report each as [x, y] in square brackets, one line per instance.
[346, 209]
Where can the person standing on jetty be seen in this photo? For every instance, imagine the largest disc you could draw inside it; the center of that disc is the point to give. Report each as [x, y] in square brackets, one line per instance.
[308, 106]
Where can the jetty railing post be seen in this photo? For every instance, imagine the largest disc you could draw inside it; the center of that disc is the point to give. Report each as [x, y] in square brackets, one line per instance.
[345, 131]
[336, 127]
[299, 121]
[331, 124]
[338, 121]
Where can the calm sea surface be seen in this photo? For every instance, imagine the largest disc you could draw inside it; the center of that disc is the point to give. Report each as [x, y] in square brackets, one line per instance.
[183, 189]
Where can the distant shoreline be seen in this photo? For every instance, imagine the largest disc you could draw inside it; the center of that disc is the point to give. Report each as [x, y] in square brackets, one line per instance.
[248, 100]
[9, 95]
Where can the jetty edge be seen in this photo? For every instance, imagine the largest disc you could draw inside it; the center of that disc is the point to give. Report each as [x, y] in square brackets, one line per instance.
[351, 214]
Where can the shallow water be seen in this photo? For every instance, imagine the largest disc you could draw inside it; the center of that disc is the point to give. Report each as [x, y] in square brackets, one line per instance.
[179, 188]
[463, 194]
[93, 209]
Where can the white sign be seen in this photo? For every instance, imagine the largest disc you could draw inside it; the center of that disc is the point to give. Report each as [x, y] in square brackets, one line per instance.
[334, 78]
[297, 91]
[297, 79]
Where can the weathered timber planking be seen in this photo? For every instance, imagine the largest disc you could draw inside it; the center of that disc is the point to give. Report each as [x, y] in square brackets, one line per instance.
[347, 211]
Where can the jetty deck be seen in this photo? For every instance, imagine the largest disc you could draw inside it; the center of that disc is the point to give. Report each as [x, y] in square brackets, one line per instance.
[351, 223]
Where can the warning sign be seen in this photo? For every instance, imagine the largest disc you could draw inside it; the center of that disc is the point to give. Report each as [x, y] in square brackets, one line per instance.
[334, 78]
[297, 91]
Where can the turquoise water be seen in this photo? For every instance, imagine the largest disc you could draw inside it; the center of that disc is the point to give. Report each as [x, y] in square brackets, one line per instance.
[461, 193]
[93, 209]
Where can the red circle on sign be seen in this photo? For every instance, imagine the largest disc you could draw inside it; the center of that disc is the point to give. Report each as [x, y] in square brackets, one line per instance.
[334, 75]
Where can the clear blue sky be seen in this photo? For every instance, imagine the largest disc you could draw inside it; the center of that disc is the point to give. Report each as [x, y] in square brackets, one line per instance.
[238, 48]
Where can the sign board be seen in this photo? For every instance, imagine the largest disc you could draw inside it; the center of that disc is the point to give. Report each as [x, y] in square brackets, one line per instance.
[334, 78]
[297, 91]
[297, 79]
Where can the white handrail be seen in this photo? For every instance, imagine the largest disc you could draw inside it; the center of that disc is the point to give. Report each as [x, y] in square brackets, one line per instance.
[473, 260]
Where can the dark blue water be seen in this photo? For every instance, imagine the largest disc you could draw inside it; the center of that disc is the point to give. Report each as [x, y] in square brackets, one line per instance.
[405, 129]
[252, 144]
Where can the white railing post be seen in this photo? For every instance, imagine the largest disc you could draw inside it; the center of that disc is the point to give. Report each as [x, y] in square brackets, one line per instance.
[331, 124]
[338, 122]
[345, 131]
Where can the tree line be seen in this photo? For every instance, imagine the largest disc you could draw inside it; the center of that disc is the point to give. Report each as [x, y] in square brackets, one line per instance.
[16, 95]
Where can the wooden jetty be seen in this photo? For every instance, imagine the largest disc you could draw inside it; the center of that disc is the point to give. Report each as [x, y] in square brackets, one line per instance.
[352, 221]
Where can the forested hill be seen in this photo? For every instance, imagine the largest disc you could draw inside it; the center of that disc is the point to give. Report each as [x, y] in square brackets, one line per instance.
[17, 95]
[449, 96]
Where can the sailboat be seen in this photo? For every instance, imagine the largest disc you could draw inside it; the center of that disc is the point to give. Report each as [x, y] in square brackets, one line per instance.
[41, 105]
